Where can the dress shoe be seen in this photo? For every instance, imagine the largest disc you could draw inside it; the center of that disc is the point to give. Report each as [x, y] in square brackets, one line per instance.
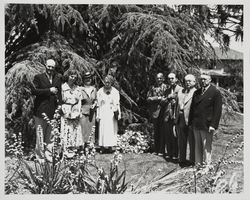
[183, 164]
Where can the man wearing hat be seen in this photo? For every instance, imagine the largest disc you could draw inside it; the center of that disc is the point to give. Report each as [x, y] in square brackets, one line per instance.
[47, 89]
[204, 117]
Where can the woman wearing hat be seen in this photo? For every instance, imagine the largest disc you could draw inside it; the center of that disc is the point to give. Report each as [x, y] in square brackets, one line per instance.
[71, 108]
[87, 120]
[108, 114]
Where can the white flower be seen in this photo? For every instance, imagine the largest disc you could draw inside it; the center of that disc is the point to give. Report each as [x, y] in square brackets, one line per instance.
[119, 157]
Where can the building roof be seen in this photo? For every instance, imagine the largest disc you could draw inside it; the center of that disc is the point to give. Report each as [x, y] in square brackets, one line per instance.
[215, 72]
[229, 55]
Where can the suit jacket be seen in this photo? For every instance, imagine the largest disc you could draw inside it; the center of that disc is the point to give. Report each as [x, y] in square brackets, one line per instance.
[206, 108]
[170, 103]
[184, 101]
[45, 101]
[154, 104]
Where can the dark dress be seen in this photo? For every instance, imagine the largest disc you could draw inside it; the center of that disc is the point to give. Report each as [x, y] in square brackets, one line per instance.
[87, 120]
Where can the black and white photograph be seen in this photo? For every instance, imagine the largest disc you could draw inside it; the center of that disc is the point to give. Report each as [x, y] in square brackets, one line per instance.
[124, 99]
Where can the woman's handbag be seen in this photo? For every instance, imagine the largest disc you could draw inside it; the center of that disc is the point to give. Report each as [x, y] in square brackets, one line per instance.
[116, 114]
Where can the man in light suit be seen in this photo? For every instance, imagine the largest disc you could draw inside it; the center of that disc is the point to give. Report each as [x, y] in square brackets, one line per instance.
[204, 117]
[47, 89]
[169, 117]
[155, 98]
[184, 99]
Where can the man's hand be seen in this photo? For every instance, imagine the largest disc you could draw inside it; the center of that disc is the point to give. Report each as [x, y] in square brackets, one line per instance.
[211, 129]
[173, 101]
[53, 90]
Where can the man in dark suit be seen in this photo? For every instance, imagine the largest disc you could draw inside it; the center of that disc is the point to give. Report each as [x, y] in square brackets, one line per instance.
[155, 99]
[205, 113]
[169, 117]
[47, 89]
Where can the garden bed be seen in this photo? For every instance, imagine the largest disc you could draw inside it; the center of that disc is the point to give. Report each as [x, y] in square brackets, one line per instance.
[147, 173]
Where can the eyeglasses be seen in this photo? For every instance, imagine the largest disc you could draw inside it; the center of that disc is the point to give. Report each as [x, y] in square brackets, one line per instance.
[50, 67]
[204, 79]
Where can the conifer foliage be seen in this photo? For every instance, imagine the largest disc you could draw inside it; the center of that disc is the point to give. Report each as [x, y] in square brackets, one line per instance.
[139, 39]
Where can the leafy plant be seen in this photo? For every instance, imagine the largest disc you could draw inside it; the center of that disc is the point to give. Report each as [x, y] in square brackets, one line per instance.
[134, 142]
[209, 179]
[13, 149]
[112, 182]
[54, 173]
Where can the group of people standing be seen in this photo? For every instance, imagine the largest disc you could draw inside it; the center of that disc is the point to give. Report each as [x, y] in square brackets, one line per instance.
[183, 115]
[180, 115]
[81, 106]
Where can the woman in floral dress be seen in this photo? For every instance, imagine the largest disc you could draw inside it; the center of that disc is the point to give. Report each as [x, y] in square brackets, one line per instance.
[71, 108]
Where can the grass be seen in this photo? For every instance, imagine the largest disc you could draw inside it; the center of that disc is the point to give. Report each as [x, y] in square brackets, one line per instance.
[143, 169]
[137, 165]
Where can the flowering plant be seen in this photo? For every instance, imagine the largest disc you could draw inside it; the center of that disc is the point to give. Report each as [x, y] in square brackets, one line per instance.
[134, 142]
[56, 173]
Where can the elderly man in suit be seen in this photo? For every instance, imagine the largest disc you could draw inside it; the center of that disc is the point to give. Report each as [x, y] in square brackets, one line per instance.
[47, 89]
[184, 99]
[169, 117]
[155, 98]
[205, 113]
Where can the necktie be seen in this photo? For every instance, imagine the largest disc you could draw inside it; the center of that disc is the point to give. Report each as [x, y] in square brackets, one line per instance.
[203, 90]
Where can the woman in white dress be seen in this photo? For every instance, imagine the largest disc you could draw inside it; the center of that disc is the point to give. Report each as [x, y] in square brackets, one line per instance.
[108, 114]
[71, 108]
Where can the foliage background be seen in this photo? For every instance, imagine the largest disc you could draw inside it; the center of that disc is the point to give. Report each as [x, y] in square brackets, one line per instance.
[132, 42]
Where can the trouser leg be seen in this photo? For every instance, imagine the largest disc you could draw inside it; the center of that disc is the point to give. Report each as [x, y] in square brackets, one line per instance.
[174, 140]
[168, 139]
[191, 141]
[162, 138]
[182, 138]
[198, 146]
[47, 134]
[171, 141]
[156, 135]
[207, 146]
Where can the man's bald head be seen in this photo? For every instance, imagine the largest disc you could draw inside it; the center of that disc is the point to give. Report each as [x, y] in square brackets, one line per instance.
[159, 78]
[172, 79]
